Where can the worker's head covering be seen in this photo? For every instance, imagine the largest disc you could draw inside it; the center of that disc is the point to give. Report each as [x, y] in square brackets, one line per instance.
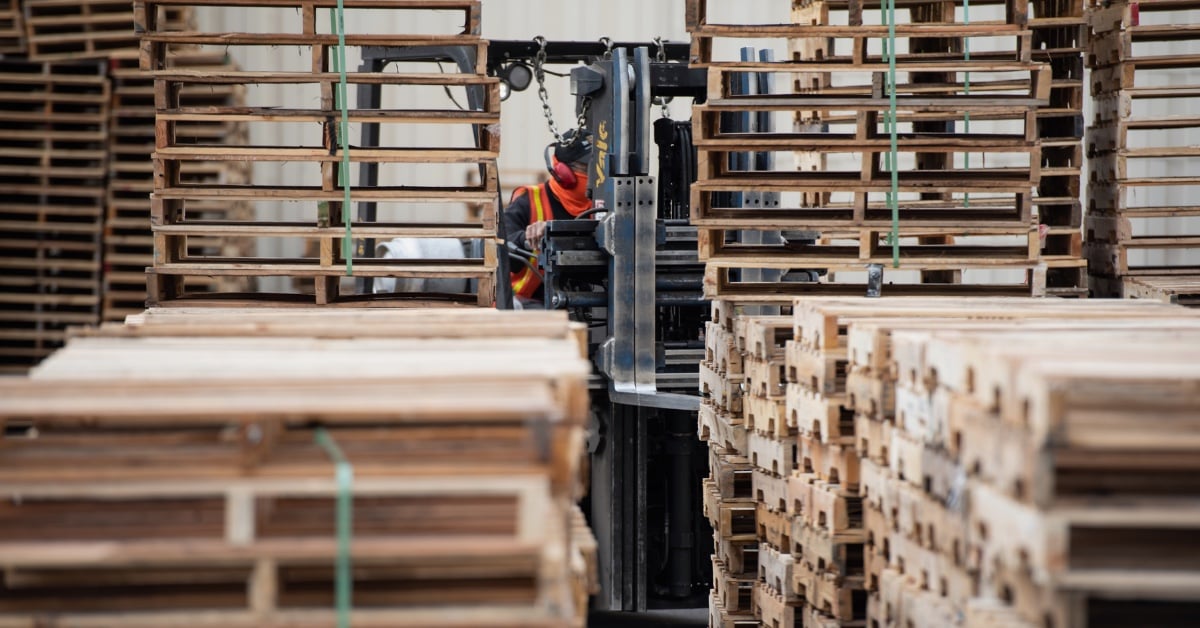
[575, 149]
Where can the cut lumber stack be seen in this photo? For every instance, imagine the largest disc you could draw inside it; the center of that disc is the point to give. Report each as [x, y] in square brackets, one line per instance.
[191, 468]
[303, 25]
[1141, 187]
[128, 241]
[55, 118]
[965, 189]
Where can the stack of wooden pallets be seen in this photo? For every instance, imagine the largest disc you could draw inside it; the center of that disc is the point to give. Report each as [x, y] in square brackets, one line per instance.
[128, 241]
[197, 468]
[55, 118]
[873, 485]
[1059, 30]
[64, 30]
[1141, 191]
[728, 493]
[968, 153]
[66, 64]
[932, 453]
[409, 175]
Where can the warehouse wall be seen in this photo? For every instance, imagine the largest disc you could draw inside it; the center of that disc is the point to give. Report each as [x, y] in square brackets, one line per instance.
[524, 127]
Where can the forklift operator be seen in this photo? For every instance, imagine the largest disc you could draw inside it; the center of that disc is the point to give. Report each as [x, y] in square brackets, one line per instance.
[562, 197]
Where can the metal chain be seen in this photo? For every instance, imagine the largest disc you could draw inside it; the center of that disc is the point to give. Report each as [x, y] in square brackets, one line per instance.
[660, 56]
[539, 73]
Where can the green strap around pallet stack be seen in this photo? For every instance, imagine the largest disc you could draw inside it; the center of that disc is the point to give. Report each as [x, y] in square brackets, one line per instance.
[967, 92]
[338, 16]
[892, 164]
[344, 475]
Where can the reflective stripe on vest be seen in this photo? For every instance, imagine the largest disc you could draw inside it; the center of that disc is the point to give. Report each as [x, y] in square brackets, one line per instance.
[526, 282]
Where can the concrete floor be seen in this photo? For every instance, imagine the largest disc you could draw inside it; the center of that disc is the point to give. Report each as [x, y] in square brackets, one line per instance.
[681, 618]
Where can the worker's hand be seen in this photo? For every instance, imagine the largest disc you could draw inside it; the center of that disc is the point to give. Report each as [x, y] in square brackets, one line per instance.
[534, 233]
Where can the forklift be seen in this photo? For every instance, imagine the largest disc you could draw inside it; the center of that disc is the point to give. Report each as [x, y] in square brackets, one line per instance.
[630, 272]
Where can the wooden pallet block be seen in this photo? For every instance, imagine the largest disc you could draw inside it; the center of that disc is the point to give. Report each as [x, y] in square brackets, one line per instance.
[731, 519]
[772, 454]
[771, 489]
[721, 351]
[832, 508]
[718, 617]
[841, 553]
[774, 527]
[724, 390]
[833, 462]
[722, 430]
[774, 610]
[765, 378]
[823, 372]
[768, 416]
[825, 418]
[842, 598]
[870, 396]
[740, 557]
[872, 439]
[775, 570]
[762, 338]
[731, 473]
[733, 593]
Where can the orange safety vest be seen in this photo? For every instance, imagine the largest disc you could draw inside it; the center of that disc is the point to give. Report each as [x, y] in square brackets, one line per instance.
[526, 282]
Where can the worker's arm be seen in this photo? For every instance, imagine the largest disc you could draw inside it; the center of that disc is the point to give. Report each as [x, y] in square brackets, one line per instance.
[514, 220]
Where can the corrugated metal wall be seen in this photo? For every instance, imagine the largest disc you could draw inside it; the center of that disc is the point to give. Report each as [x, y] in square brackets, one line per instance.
[524, 128]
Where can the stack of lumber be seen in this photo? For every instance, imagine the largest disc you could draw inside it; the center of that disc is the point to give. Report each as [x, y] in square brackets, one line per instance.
[317, 148]
[968, 153]
[1141, 187]
[128, 241]
[55, 118]
[197, 468]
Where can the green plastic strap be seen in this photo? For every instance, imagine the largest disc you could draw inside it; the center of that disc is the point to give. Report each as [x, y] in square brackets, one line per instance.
[338, 16]
[967, 91]
[344, 474]
[893, 158]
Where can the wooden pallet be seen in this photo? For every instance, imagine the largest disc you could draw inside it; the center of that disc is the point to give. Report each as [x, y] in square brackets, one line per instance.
[1181, 289]
[461, 504]
[61, 30]
[178, 202]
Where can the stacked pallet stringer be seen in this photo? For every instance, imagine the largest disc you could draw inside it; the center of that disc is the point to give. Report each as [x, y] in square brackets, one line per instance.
[1141, 193]
[319, 198]
[213, 455]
